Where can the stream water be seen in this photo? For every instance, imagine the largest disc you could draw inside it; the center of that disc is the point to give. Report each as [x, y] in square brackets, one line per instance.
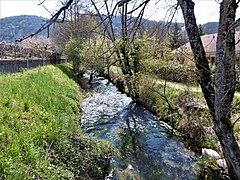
[144, 148]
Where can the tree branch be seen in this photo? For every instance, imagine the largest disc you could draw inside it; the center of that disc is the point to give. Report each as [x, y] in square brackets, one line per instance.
[163, 96]
[140, 5]
[122, 2]
[235, 122]
[53, 19]
[40, 3]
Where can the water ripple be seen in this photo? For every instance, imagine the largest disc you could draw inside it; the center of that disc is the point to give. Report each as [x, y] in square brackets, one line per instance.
[144, 149]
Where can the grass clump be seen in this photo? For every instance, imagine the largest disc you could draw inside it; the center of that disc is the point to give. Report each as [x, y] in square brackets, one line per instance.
[39, 132]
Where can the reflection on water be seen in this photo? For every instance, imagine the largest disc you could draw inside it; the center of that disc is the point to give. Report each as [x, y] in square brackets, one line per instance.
[144, 150]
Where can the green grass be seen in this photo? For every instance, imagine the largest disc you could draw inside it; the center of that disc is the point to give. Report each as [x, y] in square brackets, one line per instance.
[39, 116]
[190, 121]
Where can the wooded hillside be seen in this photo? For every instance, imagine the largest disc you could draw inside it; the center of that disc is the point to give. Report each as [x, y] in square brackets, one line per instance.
[15, 27]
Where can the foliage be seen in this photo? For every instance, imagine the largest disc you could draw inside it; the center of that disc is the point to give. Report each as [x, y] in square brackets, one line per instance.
[210, 27]
[175, 37]
[208, 169]
[76, 25]
[97, 53]
[91, 54]
[36, 47]
[39, 116]
[210, 142]
[172, 71]
[73, 49]
[200, 29]
[87, 50]
[161, 50]
[139, 52]
[83, 157]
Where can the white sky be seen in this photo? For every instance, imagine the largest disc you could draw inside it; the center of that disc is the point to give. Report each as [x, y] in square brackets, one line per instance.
[205, 10]
[26, 7]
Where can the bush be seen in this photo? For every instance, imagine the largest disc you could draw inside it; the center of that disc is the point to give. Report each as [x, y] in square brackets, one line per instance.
[173, 71]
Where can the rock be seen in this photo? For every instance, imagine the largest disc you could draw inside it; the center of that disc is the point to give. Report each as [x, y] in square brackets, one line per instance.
[222, 163]
[210, 153]
[130, 167]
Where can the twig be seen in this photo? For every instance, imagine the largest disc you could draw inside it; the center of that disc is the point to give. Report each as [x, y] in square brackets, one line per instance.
[235, 122]
[48, 23]
[162, 95]
[40, 3]
[172, 110]
[140, 5]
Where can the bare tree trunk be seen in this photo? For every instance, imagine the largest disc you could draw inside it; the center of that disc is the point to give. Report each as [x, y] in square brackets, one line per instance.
[219, 101]
[124, 47]
[199, 54]
[225, 80]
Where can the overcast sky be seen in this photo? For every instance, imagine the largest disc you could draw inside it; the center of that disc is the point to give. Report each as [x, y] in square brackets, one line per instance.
[205, 10]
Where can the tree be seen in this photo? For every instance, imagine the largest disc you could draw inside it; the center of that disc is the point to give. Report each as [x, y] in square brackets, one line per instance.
[123, 42]
[200, 29]
[78, 23]
[80, 35]
[130, 26]
[73, 50]
[175, 38]
[38, 47]
[219, 96]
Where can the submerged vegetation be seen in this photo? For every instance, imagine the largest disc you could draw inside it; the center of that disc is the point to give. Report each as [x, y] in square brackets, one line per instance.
[40, 135]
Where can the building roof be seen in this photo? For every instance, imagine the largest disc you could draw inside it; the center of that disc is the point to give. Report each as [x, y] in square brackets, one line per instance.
[209, 42]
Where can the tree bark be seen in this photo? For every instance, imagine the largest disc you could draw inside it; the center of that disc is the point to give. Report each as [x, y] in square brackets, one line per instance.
[219, 99]
[225, 79]
[199, 54]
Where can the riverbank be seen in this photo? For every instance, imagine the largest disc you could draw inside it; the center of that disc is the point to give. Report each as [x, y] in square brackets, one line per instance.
[184, 108]
[40, 136]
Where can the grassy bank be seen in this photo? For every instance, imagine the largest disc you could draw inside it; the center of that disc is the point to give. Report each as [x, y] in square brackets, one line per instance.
[183, 108]
[39, 133]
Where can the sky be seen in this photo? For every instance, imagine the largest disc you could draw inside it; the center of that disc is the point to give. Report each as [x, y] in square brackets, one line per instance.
[205, 10]
[26, 7]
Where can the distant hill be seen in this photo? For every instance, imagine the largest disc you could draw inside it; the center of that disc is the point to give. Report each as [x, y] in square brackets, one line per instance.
[210, 27]
[15, 27]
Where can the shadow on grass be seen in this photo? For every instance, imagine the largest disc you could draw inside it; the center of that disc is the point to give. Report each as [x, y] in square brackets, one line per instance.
[67, 69]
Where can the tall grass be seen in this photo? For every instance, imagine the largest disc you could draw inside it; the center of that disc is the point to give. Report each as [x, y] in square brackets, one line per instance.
[39, 116]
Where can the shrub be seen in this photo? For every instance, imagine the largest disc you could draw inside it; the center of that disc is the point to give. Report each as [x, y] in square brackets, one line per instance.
[173, 71]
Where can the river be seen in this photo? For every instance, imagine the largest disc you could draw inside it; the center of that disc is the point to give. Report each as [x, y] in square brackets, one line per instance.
[144, 148]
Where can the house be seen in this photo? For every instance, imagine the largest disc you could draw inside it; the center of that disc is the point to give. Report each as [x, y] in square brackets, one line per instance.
[184, 53]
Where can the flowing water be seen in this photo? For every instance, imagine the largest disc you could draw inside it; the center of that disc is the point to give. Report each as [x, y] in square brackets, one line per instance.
[144, 148]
